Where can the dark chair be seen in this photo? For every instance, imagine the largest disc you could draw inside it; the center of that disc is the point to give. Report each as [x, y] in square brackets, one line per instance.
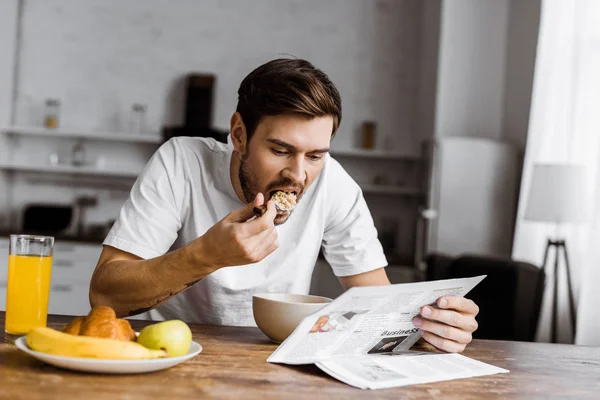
[509, 298]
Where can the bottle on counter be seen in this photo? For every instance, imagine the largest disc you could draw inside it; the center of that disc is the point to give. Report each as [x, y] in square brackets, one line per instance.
[137, 118]
[78, 154]
[52, 113]
[368, 131]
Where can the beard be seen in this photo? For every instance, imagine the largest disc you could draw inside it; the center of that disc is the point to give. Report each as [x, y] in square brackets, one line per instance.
[248, 181]
[250, 188]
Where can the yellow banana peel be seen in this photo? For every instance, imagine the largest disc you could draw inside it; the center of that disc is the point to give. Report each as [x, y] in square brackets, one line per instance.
[51, 341]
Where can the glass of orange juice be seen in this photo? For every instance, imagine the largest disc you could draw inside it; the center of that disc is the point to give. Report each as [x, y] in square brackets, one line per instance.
[29, 271]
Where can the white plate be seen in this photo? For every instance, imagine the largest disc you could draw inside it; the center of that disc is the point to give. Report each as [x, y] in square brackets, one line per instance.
[109, 366]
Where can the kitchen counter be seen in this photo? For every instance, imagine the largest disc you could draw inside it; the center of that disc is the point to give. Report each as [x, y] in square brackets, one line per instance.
[233, 365]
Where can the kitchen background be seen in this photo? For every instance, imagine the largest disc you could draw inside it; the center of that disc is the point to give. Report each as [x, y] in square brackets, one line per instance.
[447, 83]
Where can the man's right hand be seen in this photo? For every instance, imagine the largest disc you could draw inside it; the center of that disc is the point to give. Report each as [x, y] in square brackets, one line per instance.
[238, 239]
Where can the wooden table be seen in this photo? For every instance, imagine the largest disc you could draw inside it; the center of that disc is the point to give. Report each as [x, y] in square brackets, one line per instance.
[233, 365]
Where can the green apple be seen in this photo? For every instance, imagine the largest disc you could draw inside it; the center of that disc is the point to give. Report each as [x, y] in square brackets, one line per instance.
[173, 336]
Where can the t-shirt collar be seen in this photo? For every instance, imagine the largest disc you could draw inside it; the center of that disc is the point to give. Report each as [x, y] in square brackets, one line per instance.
[224, 181]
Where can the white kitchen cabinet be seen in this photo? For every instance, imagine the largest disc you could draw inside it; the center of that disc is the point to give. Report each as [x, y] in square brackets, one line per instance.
[72, 267]
[69, 299]
[74, 262]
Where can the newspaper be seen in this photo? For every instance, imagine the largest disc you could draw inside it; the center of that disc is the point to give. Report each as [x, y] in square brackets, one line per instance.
[363, 337]
[380, 372]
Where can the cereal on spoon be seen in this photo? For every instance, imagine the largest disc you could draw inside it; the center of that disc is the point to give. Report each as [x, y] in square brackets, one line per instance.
[284, 201]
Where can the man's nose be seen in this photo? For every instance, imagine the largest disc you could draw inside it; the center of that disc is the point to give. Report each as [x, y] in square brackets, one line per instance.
[295, 170]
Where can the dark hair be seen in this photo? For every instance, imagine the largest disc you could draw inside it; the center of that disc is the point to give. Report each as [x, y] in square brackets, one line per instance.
[287, 86]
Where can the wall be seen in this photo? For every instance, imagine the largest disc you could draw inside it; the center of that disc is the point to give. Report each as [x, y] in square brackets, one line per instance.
[470, 81]
[100, 56]
[420, 68]
[484, 81]
[429, 44]
[486, 64]
[8, 41]
[524, 21]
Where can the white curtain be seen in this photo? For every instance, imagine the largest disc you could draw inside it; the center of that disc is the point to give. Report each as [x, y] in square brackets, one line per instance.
[564, 127]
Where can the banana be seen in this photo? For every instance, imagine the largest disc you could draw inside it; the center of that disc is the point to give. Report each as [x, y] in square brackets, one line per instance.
[51, 341]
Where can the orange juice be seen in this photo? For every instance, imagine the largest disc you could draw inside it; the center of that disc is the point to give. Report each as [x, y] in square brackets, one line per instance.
[28, 292]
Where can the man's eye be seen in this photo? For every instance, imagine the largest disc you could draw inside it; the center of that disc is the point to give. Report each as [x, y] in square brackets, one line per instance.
[279, 152]
[315, 157]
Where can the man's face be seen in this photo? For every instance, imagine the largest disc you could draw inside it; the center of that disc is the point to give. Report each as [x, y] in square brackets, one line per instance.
[286, 152]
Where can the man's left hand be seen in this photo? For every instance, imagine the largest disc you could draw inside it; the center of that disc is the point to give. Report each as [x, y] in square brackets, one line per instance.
[448, 327]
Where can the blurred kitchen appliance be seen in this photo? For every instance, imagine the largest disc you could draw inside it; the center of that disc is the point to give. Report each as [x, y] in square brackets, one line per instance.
[46, 219]
[198, 110]
[57, 219]
[199, 105]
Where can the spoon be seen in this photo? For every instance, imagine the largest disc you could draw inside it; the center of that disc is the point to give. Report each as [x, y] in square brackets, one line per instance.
[260, 210]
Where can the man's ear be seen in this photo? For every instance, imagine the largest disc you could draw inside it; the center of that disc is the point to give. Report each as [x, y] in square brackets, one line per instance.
[237, 130]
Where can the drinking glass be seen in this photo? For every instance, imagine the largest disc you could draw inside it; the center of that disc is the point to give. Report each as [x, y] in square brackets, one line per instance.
[29, 273]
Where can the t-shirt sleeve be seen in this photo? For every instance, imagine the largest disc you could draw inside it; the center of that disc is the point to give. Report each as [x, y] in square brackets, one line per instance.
[149, 220]
[350, 242]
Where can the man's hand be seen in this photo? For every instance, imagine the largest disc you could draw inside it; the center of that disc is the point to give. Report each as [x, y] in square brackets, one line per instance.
[449, 325]
[238, 239]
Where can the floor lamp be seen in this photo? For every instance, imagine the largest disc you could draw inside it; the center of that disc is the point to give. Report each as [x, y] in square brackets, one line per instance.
[557, 195]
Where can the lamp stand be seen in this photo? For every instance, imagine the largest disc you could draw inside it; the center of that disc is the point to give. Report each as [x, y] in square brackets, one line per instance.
[558, 245]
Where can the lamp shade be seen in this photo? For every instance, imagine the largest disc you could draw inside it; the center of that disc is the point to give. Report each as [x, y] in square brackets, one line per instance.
[557, 194]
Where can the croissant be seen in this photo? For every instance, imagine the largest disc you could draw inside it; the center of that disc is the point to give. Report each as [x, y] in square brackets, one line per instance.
[101, 322]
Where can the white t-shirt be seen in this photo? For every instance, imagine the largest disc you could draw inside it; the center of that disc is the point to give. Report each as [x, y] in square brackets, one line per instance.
[186, 188]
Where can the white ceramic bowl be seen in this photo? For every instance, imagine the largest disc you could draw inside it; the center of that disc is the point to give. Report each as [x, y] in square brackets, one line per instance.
[278, 314]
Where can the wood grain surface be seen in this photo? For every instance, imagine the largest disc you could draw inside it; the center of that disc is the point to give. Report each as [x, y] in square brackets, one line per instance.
[233, 365]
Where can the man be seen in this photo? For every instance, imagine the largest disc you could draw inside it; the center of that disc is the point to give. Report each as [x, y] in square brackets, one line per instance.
[189, 222]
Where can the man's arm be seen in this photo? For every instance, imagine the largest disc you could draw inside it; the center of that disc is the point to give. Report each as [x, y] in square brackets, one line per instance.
[377, 277]
[131, 285]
